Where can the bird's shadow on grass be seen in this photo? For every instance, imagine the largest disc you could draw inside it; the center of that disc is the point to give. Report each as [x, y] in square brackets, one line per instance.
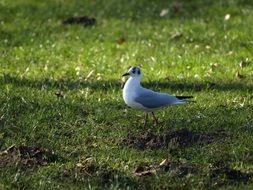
[107, 85]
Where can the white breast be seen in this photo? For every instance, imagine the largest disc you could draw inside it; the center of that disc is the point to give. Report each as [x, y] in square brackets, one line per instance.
[130, 92]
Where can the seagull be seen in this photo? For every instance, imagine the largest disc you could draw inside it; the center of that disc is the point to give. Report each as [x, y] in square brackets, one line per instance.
[137, 97]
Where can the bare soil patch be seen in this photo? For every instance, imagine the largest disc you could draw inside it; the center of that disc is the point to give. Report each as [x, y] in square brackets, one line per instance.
[88, 169]
[26, 156]
[178, 168]
[182, 137]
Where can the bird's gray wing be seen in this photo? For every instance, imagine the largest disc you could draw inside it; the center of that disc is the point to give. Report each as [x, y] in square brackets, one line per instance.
[152, 100]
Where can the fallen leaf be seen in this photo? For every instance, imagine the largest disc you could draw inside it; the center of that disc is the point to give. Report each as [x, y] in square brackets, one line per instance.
[208, 47]
[121, 40]
[227, 17]
[167, 165]
[99, 76]
[230, 53]
[79, 165]
[164, 12]
[165, 162]
[176, 35]
[89, 75]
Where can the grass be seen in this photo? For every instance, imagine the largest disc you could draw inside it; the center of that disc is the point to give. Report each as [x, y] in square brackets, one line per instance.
[47, 100]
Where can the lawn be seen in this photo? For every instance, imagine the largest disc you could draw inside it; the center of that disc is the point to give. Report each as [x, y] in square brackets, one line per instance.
[63, 121]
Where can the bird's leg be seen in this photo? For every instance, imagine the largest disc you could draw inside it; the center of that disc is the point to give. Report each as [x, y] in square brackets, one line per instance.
[146, 119]
[155, 119]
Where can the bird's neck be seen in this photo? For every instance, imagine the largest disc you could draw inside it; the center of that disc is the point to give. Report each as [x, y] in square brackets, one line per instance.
[133, 83]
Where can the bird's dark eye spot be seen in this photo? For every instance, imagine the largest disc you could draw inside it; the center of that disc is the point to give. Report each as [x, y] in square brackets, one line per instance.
[133, 70]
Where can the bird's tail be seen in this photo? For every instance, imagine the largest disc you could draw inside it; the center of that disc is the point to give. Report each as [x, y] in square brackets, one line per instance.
[184, 99]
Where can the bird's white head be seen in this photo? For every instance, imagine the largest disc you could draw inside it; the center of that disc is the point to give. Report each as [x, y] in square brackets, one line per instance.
[134, 71]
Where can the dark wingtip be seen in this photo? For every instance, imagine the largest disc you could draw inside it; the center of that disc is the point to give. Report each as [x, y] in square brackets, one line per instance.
[184, 97]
